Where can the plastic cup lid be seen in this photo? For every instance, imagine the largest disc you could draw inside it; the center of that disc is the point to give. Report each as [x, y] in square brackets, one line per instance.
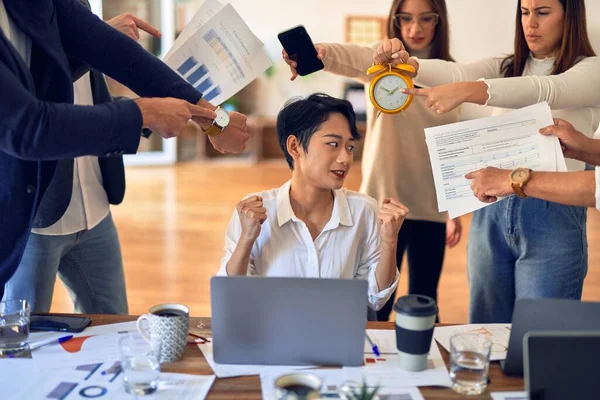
[416, 306]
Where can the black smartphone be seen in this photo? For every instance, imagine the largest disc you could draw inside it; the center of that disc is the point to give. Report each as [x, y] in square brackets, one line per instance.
[300, 48]
[58, 323]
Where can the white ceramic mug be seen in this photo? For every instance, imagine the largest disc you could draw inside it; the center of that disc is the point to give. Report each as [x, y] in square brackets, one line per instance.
[169, 325]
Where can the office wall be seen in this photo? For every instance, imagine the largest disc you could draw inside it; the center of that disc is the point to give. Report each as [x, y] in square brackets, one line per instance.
[479, 28]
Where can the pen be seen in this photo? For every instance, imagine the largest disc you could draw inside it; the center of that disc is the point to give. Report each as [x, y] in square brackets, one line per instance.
[373, 345]
[37, 345]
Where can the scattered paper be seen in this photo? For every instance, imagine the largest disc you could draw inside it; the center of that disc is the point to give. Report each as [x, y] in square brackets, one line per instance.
[232, 370]
[217, 53]
[499, 334]
[506, 141]
[106, 381]
[509, 396]
[385, 370]
[93, 345]
[385, 340]
[15, 375]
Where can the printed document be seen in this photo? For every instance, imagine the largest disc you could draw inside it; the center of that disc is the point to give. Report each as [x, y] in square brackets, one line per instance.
[217, 53]
[506, 141]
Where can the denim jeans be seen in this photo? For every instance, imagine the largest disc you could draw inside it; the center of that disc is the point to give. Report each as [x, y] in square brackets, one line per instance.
[524, 248]
[88, 262]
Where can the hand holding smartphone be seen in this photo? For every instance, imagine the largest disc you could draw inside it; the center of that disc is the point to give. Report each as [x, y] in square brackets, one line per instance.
[300, 48]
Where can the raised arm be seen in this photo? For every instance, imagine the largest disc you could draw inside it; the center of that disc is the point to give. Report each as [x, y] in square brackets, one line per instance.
[87, 38]
[378, 261]
[244, 228]
[433, 72]
[349, 60]
[575, 88]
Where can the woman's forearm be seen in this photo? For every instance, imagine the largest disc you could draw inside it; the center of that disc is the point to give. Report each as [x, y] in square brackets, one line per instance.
[349, 60]
[238, 263]
[386, 269]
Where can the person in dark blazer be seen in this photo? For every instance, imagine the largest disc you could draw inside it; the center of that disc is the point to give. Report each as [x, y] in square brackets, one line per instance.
[41, 131]
[82, 248]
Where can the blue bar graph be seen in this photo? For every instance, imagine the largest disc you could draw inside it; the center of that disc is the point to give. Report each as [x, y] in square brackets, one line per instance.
[197, 74]
[212, 94]
[204, 85]
[187, 65]
[91, 368]
[62, 391]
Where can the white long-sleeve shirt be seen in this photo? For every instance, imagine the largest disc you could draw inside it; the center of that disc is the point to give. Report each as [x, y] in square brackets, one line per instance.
[348, 247]
[573, 95]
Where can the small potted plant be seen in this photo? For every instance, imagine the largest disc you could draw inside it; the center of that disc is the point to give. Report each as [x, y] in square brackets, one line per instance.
[355, 391]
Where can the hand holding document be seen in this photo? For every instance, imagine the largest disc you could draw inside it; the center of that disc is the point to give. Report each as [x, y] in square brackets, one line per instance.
[217, 53]
[506, 141]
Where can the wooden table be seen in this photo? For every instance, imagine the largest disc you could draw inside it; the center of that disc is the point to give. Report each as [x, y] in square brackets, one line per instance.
[249, 387]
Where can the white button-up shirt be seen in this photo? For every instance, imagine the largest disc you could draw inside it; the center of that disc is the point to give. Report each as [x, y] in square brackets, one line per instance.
[89, 203]
[15, 36]
[348, 247]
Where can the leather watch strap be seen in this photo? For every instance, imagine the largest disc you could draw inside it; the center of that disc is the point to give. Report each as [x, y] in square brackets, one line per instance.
[518, 189]
[212, 131]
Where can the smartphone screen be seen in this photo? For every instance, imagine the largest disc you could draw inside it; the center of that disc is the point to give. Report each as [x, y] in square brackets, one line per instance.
[58, 323]
[300, 48]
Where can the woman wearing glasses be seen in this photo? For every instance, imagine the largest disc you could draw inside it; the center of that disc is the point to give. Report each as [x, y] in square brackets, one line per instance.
[523, 247]
[395, 160]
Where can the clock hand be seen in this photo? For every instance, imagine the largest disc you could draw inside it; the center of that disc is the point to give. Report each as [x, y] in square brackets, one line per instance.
[385, 89]
[394, 89]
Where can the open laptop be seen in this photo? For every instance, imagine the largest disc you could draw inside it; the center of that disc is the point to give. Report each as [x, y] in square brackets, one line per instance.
[288, 321]
[532, 315]
[562, 365]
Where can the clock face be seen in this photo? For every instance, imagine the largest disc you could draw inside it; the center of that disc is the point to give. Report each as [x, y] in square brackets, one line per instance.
[388, 92]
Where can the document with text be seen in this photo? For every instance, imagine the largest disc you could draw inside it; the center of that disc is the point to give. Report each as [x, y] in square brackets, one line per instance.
[217, 53]
[506, 141]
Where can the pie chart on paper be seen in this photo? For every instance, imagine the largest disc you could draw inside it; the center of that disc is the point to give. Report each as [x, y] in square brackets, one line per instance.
[74, 345]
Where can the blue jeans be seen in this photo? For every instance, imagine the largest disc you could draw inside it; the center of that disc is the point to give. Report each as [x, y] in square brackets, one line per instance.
[524, 248]
[88, 262]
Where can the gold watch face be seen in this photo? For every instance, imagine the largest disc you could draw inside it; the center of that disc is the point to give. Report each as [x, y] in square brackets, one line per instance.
[519, 175]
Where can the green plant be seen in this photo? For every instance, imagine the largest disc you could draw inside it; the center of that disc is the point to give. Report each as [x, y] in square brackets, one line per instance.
[361, 393]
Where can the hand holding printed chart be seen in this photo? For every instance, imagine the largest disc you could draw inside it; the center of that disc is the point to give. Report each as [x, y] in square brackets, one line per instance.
[217, 53]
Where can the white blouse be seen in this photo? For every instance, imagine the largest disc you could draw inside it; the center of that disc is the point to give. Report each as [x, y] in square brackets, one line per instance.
[347, 248]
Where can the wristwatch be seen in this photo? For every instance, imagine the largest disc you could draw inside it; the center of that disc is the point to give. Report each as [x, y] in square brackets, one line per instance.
[219, 123]
[518, 179]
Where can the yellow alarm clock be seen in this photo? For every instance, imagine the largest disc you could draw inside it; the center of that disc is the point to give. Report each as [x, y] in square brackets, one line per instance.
[386, 88]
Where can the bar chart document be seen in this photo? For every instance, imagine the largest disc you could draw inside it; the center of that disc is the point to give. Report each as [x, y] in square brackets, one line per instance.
[217, 53]
[507, 141]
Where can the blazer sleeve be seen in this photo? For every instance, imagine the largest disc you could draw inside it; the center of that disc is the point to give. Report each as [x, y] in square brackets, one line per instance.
[92, 41]
[32, 129]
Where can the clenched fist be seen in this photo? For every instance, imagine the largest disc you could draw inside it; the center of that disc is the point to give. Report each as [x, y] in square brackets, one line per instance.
[391, 216]
[252, 214]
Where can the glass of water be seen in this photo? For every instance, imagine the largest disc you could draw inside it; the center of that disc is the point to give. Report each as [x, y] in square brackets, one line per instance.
[140, 364]
[14, 327]
[469, 362]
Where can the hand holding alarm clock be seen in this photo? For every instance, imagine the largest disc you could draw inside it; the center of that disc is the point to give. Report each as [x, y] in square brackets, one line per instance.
[386, 90]
[441, 99]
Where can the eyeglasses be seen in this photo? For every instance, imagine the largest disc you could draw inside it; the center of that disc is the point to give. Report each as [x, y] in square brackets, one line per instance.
[426, 20]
